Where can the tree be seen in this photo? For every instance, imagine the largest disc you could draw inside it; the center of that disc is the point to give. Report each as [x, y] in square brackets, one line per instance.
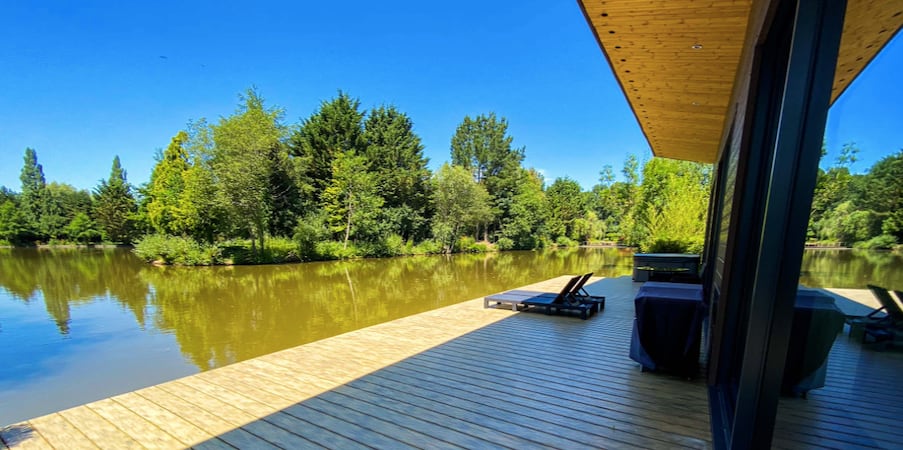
[882, 192]
[673, 202]
[566, 204]
[114, 205]
[82, 229]
[166, 186]
[459, 202]
[395, 156]
[334, 129]
[14, 226]
[61, 203]
[525, 226]
[627, 193]
[482, 145]
[33, 194]
[7, 194]
[351, 200]
[199, 212]
[832, 186]
[246, 145]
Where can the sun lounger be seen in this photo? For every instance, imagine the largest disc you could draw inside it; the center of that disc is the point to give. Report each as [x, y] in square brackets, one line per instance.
[579, 295]
[563, 301]
[887, 327]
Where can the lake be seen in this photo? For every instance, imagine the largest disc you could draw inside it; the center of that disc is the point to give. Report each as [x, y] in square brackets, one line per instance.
[80, 325]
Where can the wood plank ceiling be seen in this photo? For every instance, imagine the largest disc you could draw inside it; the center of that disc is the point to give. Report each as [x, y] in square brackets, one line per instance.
[676, 61]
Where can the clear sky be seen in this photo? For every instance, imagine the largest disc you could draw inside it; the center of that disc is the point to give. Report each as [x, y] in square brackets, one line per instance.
[84, 81]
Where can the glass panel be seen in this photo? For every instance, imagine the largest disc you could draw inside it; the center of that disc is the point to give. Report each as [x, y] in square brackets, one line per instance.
[841, 384]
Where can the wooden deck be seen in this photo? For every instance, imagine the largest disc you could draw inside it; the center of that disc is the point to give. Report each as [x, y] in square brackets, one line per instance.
[469, 377]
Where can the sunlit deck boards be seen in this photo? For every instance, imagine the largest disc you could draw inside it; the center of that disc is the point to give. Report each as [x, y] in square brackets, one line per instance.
[461, 376]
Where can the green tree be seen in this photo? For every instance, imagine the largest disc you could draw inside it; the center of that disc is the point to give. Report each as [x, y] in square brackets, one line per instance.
[14, 226]
[611, 202]
[334, 129]
[33, 195]
[832, 186]
[351, 200]
[114, 205]
[166, 186]
[525, 226]
[566, 204]
[7, 194]
[62, 203]
[82, 229]
[673, 204]
[246, 145]
[884, 192]
[630, 224]
[286, 191]
[395, 155]
[482, 145]
[199, 212]
[459, 202]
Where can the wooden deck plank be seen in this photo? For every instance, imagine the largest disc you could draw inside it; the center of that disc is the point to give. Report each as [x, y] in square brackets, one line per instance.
[615, 416]
[138, 428]
[209, 421]
[179, 428]
[264, 417]
[59, 433]
[23, 436]
[471, 412]
[99, 430]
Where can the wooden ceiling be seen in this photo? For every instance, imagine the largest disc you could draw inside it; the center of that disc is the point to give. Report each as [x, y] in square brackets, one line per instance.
[676, 61]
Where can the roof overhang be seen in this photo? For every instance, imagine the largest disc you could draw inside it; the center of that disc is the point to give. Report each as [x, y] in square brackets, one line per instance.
[677, 61]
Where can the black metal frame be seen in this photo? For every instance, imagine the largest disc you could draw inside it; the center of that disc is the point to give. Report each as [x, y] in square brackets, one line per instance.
[792, 87]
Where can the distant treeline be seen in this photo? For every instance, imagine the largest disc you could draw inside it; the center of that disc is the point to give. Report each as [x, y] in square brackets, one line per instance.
[347, 183]
[861, 210]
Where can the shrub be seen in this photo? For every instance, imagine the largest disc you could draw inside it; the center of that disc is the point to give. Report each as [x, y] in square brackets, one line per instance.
[309, 231]
[281, 250]
[564, 241]
[664, 245]
[176, 250]
[505, 243]
[464, 243]
[391, 245]
[328, 250]
[882, 242]
[427, 247]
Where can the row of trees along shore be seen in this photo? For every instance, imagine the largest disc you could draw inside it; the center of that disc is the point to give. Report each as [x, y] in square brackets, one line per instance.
[347, 183]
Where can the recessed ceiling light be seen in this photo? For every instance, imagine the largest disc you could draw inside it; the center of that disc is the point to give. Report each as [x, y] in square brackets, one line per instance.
[695, 103]
[696, 46]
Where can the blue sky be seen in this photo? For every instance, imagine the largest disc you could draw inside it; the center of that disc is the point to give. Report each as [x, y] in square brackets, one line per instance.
[84, 81]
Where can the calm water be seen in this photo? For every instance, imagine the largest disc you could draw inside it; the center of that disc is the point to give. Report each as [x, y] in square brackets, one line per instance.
[80, 325]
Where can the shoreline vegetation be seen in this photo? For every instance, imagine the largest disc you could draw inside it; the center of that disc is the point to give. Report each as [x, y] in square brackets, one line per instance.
[349, 183]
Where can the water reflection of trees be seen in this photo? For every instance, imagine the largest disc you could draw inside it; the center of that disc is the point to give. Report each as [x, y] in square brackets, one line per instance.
[851, 269]
[221, 315]
[63, 277]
